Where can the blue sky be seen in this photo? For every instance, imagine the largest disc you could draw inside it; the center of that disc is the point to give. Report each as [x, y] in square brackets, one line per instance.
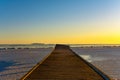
[65, 21]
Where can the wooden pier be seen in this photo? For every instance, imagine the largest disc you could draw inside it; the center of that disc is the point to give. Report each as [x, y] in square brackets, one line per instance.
[64, 64]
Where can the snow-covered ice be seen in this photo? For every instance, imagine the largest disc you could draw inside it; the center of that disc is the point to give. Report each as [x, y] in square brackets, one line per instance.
[17, 62]
[106, 59]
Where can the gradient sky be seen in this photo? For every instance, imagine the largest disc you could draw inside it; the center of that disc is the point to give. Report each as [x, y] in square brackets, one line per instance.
[60, 21]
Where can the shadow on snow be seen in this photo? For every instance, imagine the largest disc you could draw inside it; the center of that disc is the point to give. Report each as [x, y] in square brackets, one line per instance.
[5, 64]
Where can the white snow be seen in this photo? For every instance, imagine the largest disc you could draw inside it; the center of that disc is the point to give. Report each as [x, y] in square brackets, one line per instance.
[106, 59]
[17, 62]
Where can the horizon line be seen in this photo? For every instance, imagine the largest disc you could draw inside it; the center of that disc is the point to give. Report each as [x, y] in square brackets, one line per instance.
[58, 43]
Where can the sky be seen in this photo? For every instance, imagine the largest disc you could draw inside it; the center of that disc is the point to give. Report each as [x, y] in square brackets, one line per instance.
[60, 21]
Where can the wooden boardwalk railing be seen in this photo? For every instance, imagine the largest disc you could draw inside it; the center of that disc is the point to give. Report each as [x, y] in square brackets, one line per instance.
[64, 64]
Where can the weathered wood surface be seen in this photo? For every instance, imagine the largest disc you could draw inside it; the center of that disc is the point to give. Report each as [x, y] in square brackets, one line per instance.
[63, 64]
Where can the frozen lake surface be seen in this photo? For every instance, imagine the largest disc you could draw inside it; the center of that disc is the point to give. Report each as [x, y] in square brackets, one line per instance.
[14, 63]
[106, 59]
[17, 62]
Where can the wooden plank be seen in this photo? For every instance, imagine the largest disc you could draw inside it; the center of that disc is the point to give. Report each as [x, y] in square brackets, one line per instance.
[63, 64]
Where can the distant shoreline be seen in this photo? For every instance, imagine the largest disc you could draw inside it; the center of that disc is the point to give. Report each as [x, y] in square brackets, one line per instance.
[39, 45]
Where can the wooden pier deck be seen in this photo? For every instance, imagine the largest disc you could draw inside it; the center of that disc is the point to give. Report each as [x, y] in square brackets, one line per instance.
[64, 64]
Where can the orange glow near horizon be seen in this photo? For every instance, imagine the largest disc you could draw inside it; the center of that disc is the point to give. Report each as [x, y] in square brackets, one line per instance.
[85, 22]
[68, 40]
